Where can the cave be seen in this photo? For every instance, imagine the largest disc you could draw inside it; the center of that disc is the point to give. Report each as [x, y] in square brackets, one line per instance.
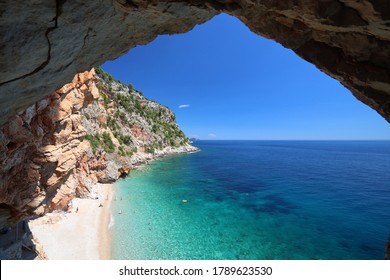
[45, 44]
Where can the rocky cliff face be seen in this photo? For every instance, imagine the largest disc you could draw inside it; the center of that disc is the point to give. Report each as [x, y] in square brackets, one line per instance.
[91, 130]
[45, 43]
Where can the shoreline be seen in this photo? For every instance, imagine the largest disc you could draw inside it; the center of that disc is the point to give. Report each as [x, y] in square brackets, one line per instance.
[104, 230]
[81, 233]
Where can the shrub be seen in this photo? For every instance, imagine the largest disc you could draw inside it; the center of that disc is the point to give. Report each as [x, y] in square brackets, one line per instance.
[118, 136]
[150, 150]
[121, 151]
[87, 116]
[105, 101]
[155, 128]
[105, 76]
[109, 146]
[112, 124]
[94, 141]
[122, 116]
[126, 139]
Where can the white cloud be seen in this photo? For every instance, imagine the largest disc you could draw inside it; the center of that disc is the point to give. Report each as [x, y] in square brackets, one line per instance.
[212, 135]
[184, 106]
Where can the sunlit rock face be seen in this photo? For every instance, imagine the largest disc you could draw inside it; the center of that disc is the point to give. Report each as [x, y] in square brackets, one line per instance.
[93, 129]
[44, 161]
[45, 43]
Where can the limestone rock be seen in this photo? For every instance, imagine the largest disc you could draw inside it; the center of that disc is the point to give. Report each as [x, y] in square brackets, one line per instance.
[111, 173]
[39, 152]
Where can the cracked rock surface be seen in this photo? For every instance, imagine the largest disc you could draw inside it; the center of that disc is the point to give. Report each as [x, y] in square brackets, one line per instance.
[45, 43]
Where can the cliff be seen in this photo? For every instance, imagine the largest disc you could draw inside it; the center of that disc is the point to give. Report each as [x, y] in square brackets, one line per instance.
[91, 130]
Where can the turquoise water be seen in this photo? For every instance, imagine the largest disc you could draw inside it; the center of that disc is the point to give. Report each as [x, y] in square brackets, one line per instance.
[258, 200]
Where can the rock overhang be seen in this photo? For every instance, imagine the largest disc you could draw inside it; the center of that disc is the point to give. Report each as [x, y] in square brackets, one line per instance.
[44, 44]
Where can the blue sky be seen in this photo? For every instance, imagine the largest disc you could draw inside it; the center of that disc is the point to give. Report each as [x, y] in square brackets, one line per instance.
[235, 84]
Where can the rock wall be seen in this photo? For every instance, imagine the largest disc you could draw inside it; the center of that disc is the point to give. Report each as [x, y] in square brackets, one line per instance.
[59, 147]
[45, 43]
[40, 150]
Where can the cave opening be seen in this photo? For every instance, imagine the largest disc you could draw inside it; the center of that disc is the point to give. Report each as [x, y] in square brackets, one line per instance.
[218, 89]
[225, 82]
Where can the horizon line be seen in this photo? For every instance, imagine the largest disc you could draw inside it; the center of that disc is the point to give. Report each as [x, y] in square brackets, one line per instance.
[198, 139]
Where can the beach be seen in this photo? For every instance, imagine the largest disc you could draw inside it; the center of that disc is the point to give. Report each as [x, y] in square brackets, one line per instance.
[81, 233]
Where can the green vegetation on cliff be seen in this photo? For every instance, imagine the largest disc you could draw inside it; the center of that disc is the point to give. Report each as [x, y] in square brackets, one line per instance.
[135, 122]
[103, 141]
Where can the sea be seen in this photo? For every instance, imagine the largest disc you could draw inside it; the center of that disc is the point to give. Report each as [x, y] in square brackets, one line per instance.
[255, 200]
